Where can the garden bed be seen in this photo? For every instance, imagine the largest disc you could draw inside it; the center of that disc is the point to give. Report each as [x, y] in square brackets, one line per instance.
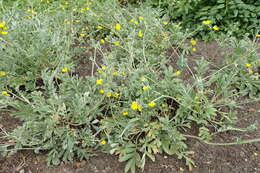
[243, 158]
[96, 86]
[239, 158]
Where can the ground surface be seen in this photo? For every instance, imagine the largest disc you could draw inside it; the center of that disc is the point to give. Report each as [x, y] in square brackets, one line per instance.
[209, 159]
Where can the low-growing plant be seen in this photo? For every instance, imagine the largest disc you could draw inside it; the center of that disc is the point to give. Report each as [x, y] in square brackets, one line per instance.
[244, 65]
[32, 43]
[135, 105]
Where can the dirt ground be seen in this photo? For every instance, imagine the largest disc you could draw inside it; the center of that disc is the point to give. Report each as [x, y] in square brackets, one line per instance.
[208, 159]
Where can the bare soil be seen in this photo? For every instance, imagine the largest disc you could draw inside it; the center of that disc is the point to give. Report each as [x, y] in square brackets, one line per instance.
[208, 159]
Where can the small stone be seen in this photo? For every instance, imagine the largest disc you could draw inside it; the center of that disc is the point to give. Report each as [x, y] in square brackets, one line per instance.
[242, 154]
[22, 171]
[165, 157]
[251, 110]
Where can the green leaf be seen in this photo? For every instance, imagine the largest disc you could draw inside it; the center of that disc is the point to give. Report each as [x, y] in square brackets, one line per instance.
[181, 62]
[151, 156]
[235, 13]
[220, 1]
[133, 169]
[220, 6]
[130, 164]
[129, 125]
[166, 148]
[129, 148]
[55, 161]
[126, 157]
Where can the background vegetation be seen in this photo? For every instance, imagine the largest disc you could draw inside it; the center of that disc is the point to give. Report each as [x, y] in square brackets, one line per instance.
[134, 103]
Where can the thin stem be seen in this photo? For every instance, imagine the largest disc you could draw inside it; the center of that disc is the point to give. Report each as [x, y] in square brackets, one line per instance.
[245, 141]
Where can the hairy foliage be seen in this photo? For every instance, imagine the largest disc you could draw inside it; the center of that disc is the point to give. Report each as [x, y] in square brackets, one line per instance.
[135, 105]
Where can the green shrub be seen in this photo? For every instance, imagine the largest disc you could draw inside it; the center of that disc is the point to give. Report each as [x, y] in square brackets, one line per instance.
[235, 17]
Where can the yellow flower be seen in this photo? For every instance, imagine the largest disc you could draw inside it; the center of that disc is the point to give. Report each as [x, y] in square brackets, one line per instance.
[125, 113]
[116, 43]
[115, 73]
[66, 21]
[193, 42]
[77, 21]
[4, 32]
[178, 72]
[103, 142]
[146, 87]
[207, 22]
[109, 94]
[116, 94]
[248, 65]
[165, 23]
[152, 104]
[82, 34]
[65, 69]
[6, 93]
[100, 71]
[194, 49]
[102, 41]
[2, 73]
[82, 10]
[257, 35]
[216, 28]
[99, 27]
[2, 24]
[136, 22]
[140, 34]
[181, 169]
[99, 81]
[31, 11]
[118, 26]
[101, 91]
[103, 67]
[141, 17]
[135, 106]
[132, 20]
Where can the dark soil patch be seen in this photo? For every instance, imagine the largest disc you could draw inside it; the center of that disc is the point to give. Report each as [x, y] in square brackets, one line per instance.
[210, 51]
[90, 60]
[208, 159]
